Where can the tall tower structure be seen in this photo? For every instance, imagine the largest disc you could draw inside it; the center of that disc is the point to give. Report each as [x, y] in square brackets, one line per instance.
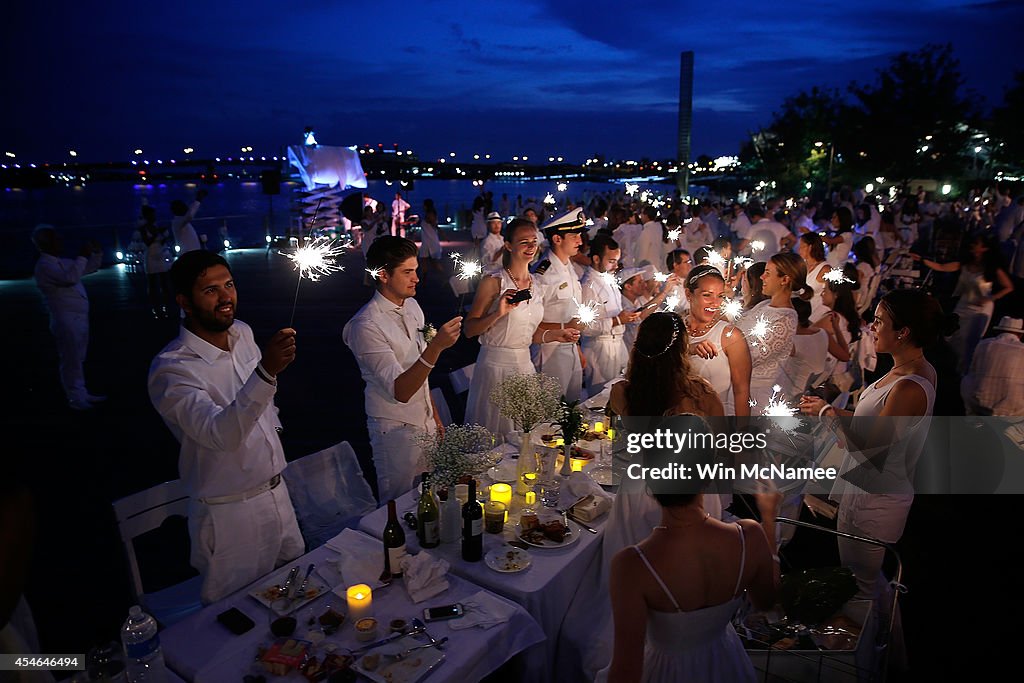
[685, 121]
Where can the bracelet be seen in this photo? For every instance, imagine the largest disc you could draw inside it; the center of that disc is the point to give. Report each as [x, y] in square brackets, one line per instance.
[264, 375]
[825, 407]
[561, 326]
[429, 365]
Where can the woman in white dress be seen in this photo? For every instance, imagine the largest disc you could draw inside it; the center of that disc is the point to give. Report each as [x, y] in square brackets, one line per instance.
[810, 348]
[771, 325]
[875, 503]
[867, 270]
[506, 329]
[429, 253]
[840, 244]
[812, 250]
[841, 321]
[718, 350]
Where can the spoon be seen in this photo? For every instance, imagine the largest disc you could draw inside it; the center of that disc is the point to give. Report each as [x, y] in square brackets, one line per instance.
[418, 624]
[301, 593]
[282, 591]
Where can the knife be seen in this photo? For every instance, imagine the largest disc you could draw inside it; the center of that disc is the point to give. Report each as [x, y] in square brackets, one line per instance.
[286, 588]
[577, 520]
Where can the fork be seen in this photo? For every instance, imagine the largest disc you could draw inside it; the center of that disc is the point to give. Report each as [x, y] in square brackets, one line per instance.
[399, 656]
[301, 593]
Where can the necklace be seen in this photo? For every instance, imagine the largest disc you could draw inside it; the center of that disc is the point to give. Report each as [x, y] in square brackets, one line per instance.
[514, 278]
[907, 361]
[696, 331]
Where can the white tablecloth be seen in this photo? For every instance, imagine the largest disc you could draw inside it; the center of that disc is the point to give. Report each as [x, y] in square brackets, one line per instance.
[199, 649]
[546, 589]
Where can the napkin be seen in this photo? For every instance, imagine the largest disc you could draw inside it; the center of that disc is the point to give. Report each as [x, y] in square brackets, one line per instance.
[581, 484]
[424, 576]
[484, 610]
[354, 565]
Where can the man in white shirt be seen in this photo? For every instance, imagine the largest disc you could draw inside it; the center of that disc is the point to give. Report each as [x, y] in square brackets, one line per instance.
[650, 247]
[185, 236]
[741, 228]
[60, 281]
[493, 245]
[215, 390]
[396, 351]
[398, 208]
[995, 383]
[562, 296]
[771, 236]
[602, 341]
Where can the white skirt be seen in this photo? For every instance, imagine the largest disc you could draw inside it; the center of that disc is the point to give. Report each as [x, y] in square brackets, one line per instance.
[493, 364]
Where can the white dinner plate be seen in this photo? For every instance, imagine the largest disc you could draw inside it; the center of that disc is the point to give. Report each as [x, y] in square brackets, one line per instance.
[569, 539]
[415, 667]
[508, 560]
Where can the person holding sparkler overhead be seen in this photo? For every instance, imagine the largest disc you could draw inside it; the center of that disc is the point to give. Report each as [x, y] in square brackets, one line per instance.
[396, 350]
[214, 388]
[562, 298]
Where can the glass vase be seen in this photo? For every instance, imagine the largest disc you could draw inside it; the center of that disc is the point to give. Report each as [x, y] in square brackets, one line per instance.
[526, 466]
[566, 460]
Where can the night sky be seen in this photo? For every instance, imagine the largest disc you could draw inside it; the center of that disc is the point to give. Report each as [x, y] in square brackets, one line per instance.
[534, 77]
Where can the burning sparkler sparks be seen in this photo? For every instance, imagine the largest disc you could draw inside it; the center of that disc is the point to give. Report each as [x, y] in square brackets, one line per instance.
[318, 258]
[660, 277]
[836, 277]
[586, 313]
[609, 279]
[756, 245]
[469, 270]
[674, 234]
[562, 187]
[731, 309]
[760, 330]
[631, 189]
[672, 302]
[742, 262]
[375, 273]
[715, 259]
[781, 412]
[549, 198]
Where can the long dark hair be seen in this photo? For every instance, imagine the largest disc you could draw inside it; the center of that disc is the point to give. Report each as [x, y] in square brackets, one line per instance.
[659, 373]
[991, 261]
[865, 251]
[845, 303]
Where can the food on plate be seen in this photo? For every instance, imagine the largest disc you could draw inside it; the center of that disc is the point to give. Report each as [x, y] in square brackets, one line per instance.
[528, 520]
[332, 668]
[371, 662]
[510, 562]
[554, 530]
[284, 655]
[594, 436]
[331, 620]
[548, 438]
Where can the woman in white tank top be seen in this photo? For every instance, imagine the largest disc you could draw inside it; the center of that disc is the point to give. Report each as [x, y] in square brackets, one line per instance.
[875, 503]
[718, 351]
[812, 250]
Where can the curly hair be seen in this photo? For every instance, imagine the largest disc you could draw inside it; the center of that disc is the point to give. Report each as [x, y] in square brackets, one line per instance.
[660, 376]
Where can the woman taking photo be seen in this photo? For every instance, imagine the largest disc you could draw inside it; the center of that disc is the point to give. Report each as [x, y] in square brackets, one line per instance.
[771, 325]
[719, 351]
[506, 329]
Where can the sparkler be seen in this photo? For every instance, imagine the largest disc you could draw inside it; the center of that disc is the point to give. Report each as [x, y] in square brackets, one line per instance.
[644, 195]
[660, 277]
[316, 259]
[469, 270]
[674, 234]
[742, 262]
[837, 277]
[586, 313]
[374, 272]
[562, 187]
[731, 309]
[756, 245]
[631, 189]
[549, 198]
[609, 279]
[781, 412]
[715, 259]
[656, 203]
[672, 302]
[760, 329]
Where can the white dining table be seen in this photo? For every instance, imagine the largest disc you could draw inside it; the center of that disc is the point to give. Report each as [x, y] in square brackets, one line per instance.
[546, 589]
[200, 650]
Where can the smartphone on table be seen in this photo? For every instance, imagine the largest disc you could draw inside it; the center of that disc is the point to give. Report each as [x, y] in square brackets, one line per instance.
[442, 612]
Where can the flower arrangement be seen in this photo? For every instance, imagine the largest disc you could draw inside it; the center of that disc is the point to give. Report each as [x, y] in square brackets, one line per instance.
[462, 450]
[528, 400]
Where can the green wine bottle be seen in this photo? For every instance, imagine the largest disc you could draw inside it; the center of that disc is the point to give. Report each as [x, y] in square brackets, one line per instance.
[428, 517]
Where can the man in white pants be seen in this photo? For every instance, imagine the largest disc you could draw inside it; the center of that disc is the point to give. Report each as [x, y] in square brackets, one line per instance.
[214, 388]
[60, 281]
[562, 297]
[602, 342]
[395, 351]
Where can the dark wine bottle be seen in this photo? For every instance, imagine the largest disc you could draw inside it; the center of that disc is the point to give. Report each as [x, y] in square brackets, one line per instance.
[472, 527]
[394, 543]
[428, 516]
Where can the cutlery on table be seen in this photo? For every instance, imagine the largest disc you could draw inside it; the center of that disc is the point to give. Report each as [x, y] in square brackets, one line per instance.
[398, 656]
[417, 623]
[282, 591]
[585, 526]
[301, 593]
[384, 641]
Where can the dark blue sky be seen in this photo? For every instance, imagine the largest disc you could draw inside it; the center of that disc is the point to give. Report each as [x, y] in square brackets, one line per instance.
[504, 77]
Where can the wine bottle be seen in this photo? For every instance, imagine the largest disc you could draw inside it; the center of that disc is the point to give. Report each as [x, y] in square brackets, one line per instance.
[428, 517]
[472, 527]
[394, 543]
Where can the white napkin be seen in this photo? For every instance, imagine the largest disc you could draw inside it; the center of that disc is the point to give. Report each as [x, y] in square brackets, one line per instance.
[581, 484]
[355, 564]
[424, 576]
[484, 610]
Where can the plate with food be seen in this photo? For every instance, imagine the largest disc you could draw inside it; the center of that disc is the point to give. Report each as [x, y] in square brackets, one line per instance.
[508, 560]
[272, 596]
[381, 665]
[547, 532]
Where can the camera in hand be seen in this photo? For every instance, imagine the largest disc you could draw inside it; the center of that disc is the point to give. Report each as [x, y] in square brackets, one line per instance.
[520, 296]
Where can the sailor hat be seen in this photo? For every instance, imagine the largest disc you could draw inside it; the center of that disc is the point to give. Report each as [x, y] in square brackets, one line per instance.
[569, 222]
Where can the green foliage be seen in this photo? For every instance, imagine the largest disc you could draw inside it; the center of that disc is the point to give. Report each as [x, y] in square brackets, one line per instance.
[1007, 125]
[570, 422]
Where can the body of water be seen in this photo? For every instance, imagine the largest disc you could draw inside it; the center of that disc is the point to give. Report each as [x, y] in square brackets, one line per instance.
[107, 212]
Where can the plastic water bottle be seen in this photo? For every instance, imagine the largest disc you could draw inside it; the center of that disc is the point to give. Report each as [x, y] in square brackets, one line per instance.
[144, 660]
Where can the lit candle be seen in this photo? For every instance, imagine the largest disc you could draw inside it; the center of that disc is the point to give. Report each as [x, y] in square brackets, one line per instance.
[501, 493]
[531, 498]
[611, 434]
[599, 427]
[360, 601]
[576, 464]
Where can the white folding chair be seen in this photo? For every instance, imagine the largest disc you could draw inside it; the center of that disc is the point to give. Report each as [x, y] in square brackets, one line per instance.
[147, 511]
[461, 378]
[443, 411]
[329, 493]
